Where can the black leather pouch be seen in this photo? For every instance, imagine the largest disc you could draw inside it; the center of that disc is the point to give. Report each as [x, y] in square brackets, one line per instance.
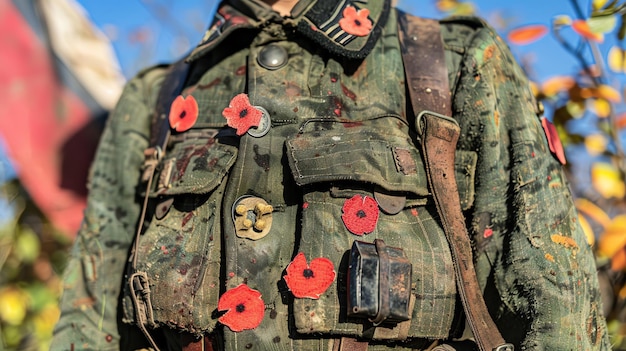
[379, 283]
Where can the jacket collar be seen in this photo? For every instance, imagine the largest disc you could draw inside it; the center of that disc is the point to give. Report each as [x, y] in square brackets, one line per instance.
[318, 20]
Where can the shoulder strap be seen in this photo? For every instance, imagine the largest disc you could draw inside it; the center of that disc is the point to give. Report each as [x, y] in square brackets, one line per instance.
[427, 78]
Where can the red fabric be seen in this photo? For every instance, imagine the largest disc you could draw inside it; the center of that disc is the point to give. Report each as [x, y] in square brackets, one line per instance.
[45, 126]
[241, 115]
[360, 214]
[554, 142]
[183, 113]
[244, 308]
[309, 281]
[356, 22]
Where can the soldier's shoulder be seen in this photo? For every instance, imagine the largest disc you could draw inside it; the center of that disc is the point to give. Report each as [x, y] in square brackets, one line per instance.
[144, 85]
[459, 32]
[151, 76]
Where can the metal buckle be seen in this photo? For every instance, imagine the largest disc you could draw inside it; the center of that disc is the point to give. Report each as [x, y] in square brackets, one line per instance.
[418, 121]
[140, 293]
[152, 156]
[505, 347]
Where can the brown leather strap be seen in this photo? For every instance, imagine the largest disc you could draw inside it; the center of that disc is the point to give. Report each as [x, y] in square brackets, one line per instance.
[349, 344]
[424, 64]
[192, 343]
[425, 67]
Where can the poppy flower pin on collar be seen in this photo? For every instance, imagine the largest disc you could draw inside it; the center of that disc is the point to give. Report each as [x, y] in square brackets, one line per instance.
[241, 115]
[309, 280]
[183, 113]
[356, 22]
[360, 214]
[244, 308]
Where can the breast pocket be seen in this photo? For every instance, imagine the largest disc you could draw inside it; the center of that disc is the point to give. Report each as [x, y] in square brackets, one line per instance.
[180, 248]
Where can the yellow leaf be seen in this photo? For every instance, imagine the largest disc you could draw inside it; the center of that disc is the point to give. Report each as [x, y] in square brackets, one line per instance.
[562, 20]
[591, 238]
[534, 88]
[557, 84]
[598, 4]
[618, 261]
[593, 211]
[45, 320]
[608, 92]
[614, 237]
[527, 34]
[13, 305]
[446, 5]
[607, 181]
[582, 28]
[616, 60]
[622, 292]
[600, 107]
[596, 144]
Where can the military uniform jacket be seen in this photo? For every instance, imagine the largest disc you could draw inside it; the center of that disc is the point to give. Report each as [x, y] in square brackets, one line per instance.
[249, 227]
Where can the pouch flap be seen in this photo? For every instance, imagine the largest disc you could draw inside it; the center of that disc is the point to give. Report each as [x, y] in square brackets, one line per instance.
[194, 166]
[381, 156]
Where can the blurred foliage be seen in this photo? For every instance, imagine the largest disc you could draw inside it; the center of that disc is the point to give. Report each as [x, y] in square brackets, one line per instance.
[32, 255]
[588, 110]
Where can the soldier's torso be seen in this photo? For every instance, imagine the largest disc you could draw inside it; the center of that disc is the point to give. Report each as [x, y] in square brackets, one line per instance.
[337, 131]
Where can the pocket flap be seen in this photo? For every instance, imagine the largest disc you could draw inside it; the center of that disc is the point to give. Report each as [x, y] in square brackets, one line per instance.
[194, 166]
[381, 156]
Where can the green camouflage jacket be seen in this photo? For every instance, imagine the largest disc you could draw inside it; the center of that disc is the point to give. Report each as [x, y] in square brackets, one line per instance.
[256, 204]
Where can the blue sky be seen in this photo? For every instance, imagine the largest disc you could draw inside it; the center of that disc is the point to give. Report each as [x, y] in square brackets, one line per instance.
[123, 19]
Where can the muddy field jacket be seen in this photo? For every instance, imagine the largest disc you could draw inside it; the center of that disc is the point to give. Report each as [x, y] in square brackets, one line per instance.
[256, 205]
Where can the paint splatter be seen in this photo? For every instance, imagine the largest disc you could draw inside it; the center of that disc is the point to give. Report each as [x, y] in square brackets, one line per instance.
[568, 242]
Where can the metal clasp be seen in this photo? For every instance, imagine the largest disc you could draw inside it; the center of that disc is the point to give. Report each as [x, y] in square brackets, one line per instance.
[152, 156]
[505, 347]
[420, 117]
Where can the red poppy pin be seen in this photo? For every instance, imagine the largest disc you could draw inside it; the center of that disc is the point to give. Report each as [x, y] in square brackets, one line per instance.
[356, 22]
[183, 113]
[554, 142]
[241, 115]
[360, 214]
[309, 280]
[244, 308]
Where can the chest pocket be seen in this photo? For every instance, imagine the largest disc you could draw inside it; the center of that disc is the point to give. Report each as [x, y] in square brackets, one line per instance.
[334, 165]
[180, 248]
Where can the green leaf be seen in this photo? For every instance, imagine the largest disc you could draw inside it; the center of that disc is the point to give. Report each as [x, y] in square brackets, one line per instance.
[27, 245]
[602, 24]
[464, 9]
[576, 109]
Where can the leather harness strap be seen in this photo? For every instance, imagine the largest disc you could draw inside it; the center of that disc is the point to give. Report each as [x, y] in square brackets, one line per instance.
[427, 79]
